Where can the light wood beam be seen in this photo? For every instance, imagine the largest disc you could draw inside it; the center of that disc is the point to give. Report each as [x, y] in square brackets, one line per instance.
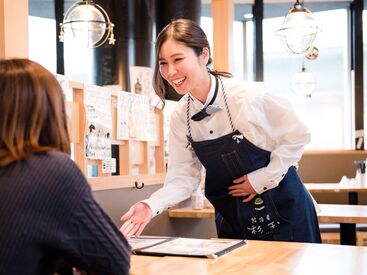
[223, 14]
[13, 28]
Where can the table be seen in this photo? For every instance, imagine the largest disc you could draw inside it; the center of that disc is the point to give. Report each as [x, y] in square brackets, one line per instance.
[347, 215]
[263, 258]
[352, 189]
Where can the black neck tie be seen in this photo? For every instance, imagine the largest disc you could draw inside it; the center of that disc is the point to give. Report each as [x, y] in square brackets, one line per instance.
[210, 109]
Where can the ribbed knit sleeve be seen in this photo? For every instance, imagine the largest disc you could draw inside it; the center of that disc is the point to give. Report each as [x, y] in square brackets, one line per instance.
[93, 241]
[47, 211]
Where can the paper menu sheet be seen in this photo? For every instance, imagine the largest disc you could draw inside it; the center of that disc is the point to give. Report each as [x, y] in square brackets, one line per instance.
[187, 247]
[146, 241]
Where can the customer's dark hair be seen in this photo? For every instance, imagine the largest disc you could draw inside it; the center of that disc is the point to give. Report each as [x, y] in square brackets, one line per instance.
[190, 34]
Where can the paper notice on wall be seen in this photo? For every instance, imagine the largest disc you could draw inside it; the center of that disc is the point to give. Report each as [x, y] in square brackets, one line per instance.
[97, 102]
[141, 79]
[109, 165]
[134, 120]
[64, 83]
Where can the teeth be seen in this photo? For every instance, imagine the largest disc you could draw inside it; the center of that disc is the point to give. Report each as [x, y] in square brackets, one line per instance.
[178, 81]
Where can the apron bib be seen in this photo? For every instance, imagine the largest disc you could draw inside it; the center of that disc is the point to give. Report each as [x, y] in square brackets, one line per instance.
[283, 213]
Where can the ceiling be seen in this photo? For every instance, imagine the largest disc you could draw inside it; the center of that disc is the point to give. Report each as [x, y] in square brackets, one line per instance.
[45, 8]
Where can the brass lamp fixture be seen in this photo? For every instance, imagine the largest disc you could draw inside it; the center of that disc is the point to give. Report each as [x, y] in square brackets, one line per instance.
[299, 31]
[87, 22]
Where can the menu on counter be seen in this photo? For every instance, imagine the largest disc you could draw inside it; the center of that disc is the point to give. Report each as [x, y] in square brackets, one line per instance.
[185, 247]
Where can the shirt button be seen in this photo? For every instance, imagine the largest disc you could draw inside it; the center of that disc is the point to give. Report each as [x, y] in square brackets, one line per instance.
[283, 175]
[265, 188]
[211, 131]
[157, 212]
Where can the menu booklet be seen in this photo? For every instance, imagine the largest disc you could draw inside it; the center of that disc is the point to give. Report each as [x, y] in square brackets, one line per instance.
[185, 247]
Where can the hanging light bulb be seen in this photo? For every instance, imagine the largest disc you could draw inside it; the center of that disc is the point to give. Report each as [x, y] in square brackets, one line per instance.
[88, 23]
[303, 83]
[299, 29]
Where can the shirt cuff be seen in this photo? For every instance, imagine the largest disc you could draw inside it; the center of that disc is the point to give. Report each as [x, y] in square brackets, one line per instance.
[155, 205]
[262, 182]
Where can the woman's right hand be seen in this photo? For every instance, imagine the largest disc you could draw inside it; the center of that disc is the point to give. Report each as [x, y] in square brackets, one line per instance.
[138, 216]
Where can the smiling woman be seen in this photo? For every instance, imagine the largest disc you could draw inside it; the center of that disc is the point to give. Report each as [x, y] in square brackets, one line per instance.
[183, 69]
[248, 141]
[180, 47]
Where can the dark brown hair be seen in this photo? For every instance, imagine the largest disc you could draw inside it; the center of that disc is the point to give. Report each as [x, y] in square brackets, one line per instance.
[32, 111]
[190, 34]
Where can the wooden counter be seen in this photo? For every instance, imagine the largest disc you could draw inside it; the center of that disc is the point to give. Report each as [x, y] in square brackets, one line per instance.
[331, 213]
[347, 215]
[263, 258]
[334, 187]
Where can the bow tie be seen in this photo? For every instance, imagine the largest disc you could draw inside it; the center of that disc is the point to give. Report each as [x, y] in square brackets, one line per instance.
[210, 109]
[207, 111]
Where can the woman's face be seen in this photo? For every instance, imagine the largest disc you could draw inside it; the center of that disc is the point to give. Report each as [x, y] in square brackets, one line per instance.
[182, 68]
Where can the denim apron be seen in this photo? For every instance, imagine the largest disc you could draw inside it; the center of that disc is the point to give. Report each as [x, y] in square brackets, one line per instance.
[283, 213]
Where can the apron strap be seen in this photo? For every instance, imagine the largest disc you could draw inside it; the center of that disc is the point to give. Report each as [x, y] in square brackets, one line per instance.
[189, 137]
[226, 103]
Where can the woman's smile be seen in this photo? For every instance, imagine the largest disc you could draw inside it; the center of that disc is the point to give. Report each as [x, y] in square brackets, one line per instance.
[178, 81]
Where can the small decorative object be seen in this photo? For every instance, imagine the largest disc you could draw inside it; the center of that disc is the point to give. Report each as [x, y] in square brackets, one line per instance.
[303, 83]
[137, 87]
[299, 29]
[312, 53]
[89, 23]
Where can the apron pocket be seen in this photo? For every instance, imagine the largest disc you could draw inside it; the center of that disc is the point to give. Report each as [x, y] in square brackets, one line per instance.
[261, 218]
[233, 164]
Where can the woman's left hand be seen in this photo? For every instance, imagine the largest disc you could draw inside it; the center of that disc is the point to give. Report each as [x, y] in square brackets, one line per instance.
[242, 187]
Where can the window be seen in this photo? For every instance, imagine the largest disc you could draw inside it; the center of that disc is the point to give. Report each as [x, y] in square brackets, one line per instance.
[41, 41]
[328, 112]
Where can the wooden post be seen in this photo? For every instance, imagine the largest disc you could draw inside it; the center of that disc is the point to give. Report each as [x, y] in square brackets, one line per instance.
[79, 145]
[222, 13]
[13, 29]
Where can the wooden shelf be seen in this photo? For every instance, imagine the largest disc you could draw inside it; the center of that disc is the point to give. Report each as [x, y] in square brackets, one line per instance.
[133, 154]
[125, 181]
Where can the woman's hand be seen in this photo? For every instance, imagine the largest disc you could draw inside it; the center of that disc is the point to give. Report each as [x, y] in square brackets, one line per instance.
[242, 187]
[138, 216]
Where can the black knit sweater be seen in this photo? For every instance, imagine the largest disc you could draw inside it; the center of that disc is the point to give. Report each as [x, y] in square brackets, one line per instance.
[47, 211]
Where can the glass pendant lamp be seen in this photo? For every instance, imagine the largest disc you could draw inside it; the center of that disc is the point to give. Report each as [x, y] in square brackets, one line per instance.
[299, 30]
[87, 23]
[303, 83]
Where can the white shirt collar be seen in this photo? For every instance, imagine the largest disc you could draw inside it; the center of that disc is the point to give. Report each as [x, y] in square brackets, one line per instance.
[197, 104]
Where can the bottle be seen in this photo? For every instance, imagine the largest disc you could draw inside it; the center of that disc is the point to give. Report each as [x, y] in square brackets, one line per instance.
[197, 199]
[137, 86]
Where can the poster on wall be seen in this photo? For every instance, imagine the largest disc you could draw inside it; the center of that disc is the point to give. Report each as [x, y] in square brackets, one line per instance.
[97, 102]
[141, 79]
[134, 117]
[64, 83]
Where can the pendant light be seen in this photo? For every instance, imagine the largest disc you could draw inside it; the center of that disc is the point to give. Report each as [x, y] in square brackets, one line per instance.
[299, 30]
[87, 23]
[303, 82]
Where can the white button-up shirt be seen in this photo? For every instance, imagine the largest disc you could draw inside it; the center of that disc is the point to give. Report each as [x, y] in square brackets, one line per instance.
[267, 121]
